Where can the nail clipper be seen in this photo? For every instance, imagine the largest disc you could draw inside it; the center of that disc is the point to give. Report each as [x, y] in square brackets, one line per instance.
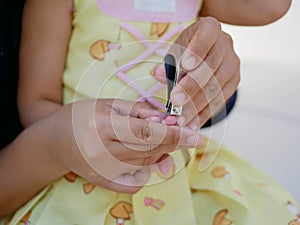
[172, 74]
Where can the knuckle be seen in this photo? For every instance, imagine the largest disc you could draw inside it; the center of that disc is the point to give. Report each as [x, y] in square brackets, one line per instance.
[150, 151]
[138, 105]
[146, 160]
[217, 105]
[212, 62]
[194, 107]
[191, 85]
[228, 38]
[135, 107]
[198, 103]
[214, 105]
[174, 137]
[237, 62]
[146, 132]
[231, 88]
[134, 111]
[211, 89]
[204, 115]
[238, 80]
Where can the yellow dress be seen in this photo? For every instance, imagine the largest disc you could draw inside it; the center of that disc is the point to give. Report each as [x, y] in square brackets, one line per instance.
[110, 57]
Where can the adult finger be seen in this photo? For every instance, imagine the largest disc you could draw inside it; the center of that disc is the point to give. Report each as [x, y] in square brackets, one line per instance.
[228, 70]
[216, 105]
[227, 77]
[201, 100]
[196, 79]
[192, 46]
[196, 41]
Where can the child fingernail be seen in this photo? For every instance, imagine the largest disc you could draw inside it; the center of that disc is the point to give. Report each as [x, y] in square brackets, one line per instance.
[166, 168]
[170, 120]
[180, 120]
[155, 119]
[166, 165]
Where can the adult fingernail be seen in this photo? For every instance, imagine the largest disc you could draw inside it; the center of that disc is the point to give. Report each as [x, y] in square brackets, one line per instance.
[189, 63]
[195, 140]
[179, 98]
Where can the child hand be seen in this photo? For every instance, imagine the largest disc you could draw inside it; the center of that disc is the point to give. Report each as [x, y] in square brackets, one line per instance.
[110, 143]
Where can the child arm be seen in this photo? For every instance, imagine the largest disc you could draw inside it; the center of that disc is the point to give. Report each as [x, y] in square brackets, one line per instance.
[245, 12]
[46, 32]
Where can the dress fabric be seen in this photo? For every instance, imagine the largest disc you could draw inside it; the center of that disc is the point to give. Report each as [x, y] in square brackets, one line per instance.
[114, 47]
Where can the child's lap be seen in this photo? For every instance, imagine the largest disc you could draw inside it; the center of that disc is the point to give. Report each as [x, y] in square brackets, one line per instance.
[229, 191]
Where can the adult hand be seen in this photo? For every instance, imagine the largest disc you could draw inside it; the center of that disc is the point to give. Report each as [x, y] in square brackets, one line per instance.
[212, 71]
[113, 144]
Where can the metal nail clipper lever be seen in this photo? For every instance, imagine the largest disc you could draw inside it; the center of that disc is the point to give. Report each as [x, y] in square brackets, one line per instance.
[172, 74]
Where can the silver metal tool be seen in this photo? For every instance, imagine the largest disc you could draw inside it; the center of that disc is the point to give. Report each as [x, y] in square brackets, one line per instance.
[172, 74]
